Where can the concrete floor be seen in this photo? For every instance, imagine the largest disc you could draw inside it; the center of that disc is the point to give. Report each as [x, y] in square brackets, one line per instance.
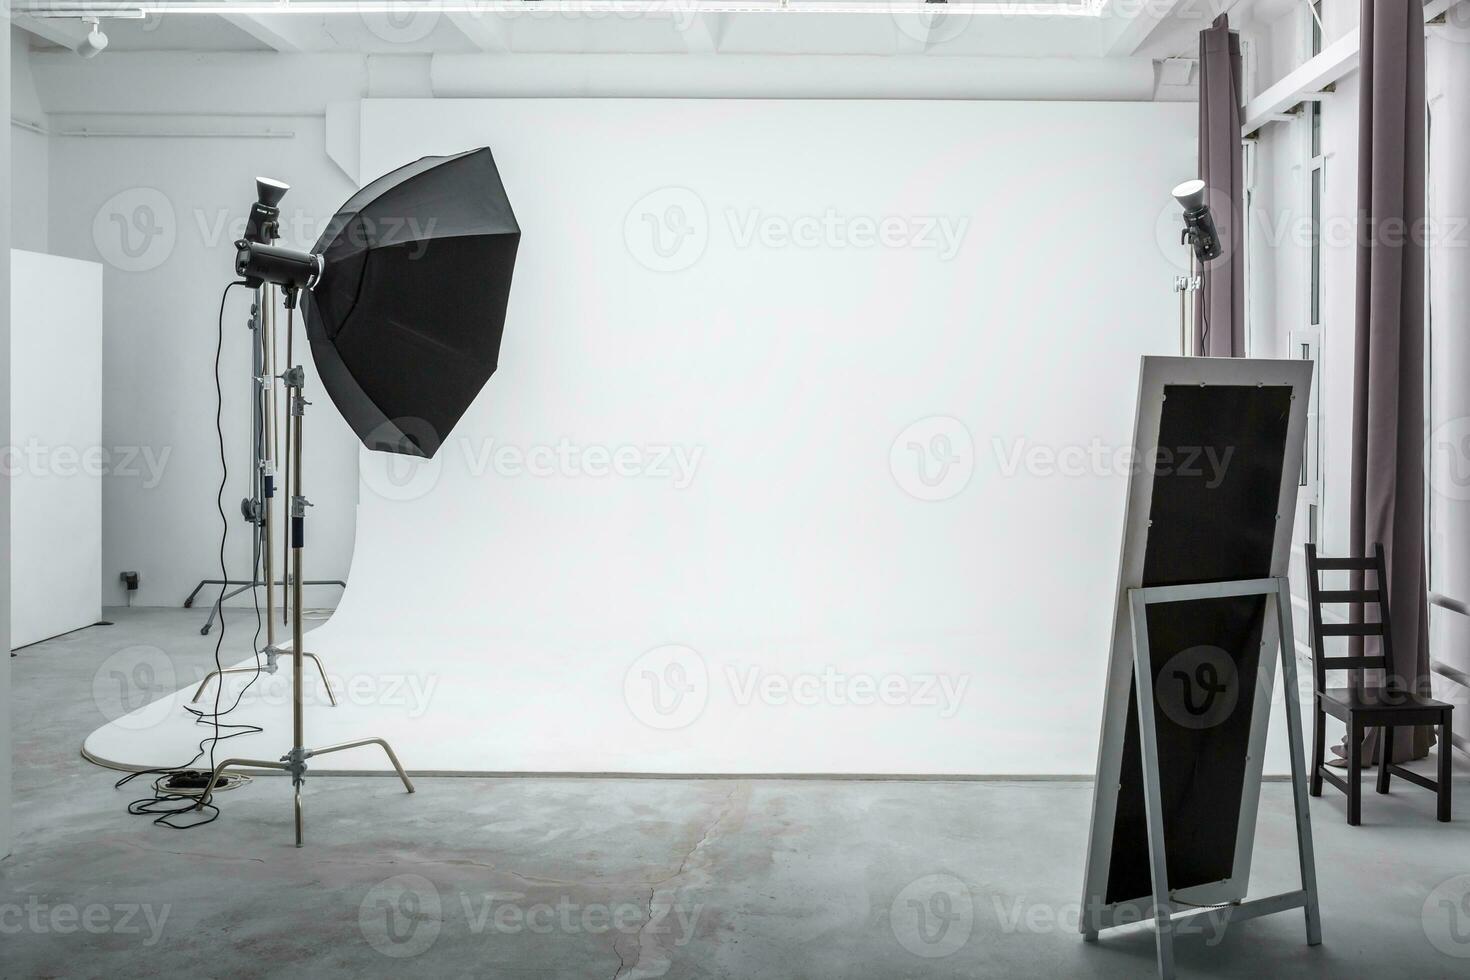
[534, 878]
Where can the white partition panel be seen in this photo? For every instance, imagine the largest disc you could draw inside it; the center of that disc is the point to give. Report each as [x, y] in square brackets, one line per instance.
[55, 455]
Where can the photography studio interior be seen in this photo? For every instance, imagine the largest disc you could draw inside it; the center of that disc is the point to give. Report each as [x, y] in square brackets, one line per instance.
[774, 489]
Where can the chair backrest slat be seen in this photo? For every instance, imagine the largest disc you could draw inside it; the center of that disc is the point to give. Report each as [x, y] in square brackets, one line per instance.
[1353, 629]
[1356, 596]
[1327, 596]
[1345, 564]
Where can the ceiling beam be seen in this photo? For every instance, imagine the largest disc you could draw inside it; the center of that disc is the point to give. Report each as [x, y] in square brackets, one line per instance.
[1128, 24]
[1308, 82]
[914, 33]
[67, 33]
[483, 28]
[286, 33]
[703, 33]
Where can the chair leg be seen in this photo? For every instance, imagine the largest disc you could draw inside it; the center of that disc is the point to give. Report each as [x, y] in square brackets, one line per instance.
[1355, 772]
[1319, 749]
[1446, 759]
[1385, 756]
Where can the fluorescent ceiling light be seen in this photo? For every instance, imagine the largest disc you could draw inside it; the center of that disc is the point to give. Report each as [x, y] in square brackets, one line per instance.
[976, 8]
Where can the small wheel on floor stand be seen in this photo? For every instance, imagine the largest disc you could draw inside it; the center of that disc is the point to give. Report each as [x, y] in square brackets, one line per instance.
[204, 630]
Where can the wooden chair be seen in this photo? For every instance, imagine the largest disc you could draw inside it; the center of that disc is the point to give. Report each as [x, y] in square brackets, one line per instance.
[1360, 707]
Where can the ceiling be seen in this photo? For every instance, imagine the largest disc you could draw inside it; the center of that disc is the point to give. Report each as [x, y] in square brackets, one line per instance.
[1060, 28]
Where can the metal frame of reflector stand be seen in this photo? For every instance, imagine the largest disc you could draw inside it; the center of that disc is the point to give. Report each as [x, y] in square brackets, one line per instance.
[294, 761]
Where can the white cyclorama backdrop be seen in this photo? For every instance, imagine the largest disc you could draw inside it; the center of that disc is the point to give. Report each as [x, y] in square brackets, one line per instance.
[694, 275]
[803, 455]
[55, 462]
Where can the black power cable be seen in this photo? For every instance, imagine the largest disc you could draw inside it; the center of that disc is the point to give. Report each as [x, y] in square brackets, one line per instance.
[164, 806]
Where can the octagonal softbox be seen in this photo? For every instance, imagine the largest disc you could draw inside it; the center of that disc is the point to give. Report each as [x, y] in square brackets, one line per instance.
[405, 322]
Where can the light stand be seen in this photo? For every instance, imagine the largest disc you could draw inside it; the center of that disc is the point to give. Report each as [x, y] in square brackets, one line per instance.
[263, 227]
[1186, 287]
[1202, 240]
[259, 508]
[457, 288]
[294, 761]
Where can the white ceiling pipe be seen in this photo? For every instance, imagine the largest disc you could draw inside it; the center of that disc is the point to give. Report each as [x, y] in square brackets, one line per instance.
[785, 77]
[317, 8]
[202, 83]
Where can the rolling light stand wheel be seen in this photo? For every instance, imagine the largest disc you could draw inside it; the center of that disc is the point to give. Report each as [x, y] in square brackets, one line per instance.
[204, 630]
[189, 603]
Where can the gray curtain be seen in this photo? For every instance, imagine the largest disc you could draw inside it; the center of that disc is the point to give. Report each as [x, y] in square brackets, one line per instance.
[1387, 502]
[1219, 307]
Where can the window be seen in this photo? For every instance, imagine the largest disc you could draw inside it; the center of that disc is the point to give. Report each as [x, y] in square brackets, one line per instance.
[1306, 340]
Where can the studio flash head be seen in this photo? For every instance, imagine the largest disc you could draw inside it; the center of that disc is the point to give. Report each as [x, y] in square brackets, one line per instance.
[264, 224]
[288, 268]
[1199, 224]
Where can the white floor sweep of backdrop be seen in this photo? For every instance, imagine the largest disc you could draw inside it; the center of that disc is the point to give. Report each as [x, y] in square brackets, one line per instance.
[803, 455]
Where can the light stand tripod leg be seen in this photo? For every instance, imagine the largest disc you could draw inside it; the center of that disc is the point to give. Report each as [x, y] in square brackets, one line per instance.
[219, 771]
[323, 671]
[326, 684]
[216, 673]
[215, 607]
[392, 756]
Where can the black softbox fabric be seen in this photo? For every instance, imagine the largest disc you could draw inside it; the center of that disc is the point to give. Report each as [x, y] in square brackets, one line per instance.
[406, 320]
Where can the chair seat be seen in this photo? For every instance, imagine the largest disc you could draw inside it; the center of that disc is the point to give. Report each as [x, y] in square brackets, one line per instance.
[1383, 702]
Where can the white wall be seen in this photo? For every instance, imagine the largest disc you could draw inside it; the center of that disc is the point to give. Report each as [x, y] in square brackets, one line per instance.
[159, 325]
[56, 429]
[29, 152]
[161, 215]
[6, 714]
